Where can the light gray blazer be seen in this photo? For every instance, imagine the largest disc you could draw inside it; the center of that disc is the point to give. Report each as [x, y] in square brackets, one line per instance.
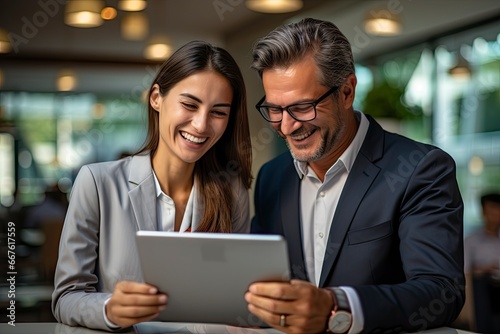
[109, 202]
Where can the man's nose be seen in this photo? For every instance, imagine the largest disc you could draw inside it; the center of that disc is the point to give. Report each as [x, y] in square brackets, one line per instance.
[289, 124]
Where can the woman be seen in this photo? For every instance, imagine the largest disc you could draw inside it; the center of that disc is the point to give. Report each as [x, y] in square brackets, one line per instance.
[192, 174]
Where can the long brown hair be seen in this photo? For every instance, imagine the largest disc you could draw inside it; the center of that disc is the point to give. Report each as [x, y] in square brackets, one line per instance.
[231, 156]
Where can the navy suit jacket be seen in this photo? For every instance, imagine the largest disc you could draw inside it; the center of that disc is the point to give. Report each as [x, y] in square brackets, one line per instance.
[396, 236]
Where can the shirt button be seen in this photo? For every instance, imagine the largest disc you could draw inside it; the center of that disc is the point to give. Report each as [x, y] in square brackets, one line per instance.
[321, 235]
[322, 194]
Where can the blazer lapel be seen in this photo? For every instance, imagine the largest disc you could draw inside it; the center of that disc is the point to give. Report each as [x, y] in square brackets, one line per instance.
[290, 214]
[360, 178]
[143, 194]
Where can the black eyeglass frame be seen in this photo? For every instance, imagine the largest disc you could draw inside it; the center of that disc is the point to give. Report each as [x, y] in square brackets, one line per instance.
[314, 103]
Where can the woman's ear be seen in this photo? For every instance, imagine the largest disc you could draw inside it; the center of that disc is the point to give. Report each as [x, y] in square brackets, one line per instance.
[155, 97]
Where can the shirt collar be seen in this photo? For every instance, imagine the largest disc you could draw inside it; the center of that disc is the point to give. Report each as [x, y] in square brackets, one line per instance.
[193, 211]
[349, 156]
[157, 185]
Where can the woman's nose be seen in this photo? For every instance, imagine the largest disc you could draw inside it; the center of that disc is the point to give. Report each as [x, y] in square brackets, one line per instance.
[200, 120]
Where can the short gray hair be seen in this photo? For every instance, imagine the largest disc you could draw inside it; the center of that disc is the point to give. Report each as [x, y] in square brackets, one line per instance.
[290, 43]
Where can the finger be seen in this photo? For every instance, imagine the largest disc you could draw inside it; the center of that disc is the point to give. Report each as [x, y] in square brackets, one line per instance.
[292, 323]
[136, 294]
[136, 287]
[271, 305]
[124, 315]
[275, 290]
[270, 318]
[135, 312]
[142, 300]
[127, 322]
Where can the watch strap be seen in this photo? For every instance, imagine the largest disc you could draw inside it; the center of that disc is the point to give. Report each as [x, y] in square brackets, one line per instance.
[341, 299]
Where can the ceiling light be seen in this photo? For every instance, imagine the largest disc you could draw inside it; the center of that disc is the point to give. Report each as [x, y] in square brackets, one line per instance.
[274, 6]
[157, 49]
[5, 46]
[108, 13]
[382, 23]
[134, 26]
[66, 81]
[132, 5]
[84, 13]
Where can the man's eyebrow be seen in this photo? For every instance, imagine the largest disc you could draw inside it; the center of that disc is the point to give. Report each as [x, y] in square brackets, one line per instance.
[200, 101]
[308, 100]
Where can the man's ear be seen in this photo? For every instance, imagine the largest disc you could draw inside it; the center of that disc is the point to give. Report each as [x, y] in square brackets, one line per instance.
[155, 98]
[348, 90]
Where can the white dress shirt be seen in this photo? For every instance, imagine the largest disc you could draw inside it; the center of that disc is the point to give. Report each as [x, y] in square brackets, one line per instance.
[165, 209]
[318, 202]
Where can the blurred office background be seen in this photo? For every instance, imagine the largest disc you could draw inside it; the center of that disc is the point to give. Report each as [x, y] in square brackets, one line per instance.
[71, 93]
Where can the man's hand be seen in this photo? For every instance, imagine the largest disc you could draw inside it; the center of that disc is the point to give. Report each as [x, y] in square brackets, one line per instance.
[133, 302]
[306, 308]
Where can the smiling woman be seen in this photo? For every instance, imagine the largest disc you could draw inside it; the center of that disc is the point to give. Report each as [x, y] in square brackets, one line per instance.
[200, 80]
[192, 117]
[192, 174]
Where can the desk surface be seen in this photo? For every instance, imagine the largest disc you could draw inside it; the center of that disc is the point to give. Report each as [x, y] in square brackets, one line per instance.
[143, 328]
[160, 328]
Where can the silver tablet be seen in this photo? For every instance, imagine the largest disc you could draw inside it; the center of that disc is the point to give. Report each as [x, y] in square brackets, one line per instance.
[207, 274]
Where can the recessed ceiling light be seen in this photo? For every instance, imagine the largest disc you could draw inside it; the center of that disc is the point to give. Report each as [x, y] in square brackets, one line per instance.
[84, 13]
[383, 23]
[66, 81]
[132, 5]
[157, 49]
[274, 6]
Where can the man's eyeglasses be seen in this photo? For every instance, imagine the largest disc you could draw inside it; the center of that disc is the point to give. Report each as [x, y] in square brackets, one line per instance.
[302, 112]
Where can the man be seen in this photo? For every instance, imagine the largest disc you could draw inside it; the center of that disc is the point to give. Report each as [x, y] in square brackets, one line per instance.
[482, 266]
[373, 220]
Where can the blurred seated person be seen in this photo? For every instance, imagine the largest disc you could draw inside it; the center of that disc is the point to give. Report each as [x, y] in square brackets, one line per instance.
[482, 266]
[192, 174]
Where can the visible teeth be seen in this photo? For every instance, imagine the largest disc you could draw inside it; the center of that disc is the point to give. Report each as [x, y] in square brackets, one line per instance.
[302, 136]
[193, 138]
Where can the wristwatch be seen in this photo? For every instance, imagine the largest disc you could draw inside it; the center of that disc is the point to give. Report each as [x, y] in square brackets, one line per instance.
[341, 317]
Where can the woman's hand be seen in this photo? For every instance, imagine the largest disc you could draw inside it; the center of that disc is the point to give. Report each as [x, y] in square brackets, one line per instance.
[133, 302]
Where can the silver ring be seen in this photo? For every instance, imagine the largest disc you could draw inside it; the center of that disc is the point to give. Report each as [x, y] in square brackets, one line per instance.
[283, 320]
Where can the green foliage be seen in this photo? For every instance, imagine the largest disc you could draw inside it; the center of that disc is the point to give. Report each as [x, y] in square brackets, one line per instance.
[385, 101]
[38, 130]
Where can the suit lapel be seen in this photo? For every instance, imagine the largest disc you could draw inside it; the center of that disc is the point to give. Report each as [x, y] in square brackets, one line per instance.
[290, 213]
[360, 178]
[143, 193]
